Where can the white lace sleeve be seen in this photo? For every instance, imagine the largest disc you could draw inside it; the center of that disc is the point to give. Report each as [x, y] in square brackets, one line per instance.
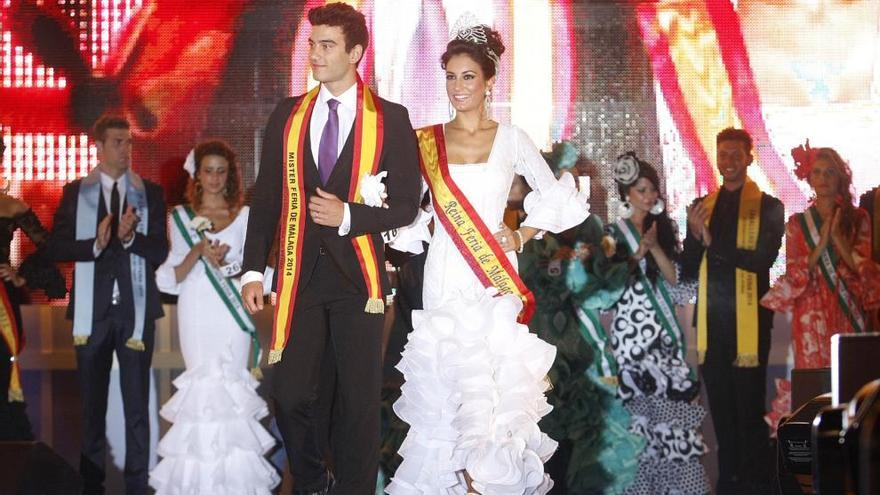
[553, 205]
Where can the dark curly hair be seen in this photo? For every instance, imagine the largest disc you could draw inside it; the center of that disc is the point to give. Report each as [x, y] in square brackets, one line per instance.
[733, 134]
[344, 16]
[666, 230]
[481, 53]
[233, 194]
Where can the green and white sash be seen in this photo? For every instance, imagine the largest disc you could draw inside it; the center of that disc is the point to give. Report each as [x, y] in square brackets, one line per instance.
[226, 290]
[663, 304]
[811, 223]
[84, 277]
[597, 339]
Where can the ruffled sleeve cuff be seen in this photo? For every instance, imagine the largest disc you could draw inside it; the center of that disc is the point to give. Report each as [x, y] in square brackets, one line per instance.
[685, 291]
[166, 279]
[556, 208]
[868, 280]
[410, 239]
[784, 293]
[41, 273]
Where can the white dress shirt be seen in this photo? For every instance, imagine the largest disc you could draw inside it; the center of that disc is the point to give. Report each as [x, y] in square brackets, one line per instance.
[346, 110]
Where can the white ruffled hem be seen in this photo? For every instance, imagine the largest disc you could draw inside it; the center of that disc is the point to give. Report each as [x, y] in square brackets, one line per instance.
[216, 442]
[473, 396]
[557, 208]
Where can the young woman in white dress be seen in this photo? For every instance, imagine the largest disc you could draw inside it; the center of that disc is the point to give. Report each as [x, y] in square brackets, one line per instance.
[216, 443]
[475, 377]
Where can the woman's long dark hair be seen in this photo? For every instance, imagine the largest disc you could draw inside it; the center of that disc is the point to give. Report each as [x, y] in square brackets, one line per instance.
[667, 236]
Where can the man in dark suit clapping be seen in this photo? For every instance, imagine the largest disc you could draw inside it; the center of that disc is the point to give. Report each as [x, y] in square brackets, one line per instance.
[112, 224]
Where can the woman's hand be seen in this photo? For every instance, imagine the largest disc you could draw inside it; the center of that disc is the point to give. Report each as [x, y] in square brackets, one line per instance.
[508, 240]
[10, 274]
[839, 238]
[648, 242]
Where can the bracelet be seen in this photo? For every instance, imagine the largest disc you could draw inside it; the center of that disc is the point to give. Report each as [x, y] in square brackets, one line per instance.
[521, 243]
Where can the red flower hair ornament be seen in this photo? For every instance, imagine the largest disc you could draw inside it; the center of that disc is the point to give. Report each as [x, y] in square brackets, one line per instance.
[804, 158]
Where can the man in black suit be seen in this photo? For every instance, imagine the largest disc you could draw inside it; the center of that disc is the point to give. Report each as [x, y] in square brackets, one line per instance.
[329, 313]
[112, 224]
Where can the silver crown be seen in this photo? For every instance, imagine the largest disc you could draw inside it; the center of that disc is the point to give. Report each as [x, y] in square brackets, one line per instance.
[468, 28]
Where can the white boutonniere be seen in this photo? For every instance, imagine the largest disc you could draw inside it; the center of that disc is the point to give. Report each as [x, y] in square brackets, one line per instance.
[201, 225]
[373, 189]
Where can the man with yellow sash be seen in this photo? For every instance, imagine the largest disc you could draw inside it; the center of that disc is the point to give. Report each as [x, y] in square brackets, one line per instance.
[870, 202]
[330, 276]
[734, 236]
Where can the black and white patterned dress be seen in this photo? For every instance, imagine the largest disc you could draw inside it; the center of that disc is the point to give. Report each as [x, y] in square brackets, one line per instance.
[659, 392]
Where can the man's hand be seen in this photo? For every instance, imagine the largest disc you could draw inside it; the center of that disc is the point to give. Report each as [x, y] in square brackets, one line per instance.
[127, 223]
[697, 218]
[326, 209]
[252, 295]
[103, 237]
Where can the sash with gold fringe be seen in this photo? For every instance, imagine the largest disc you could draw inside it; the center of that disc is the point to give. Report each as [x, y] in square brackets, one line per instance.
[368, 133]
[875, 231]
[473, 238]
[14, 341]
[748, 227]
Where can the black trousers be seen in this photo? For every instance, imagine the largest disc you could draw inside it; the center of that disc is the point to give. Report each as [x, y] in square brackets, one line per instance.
[737, 400]
[94, 360]
[330, 326]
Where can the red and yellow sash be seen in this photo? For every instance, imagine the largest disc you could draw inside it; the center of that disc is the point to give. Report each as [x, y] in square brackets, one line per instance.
[474, 240]
[368, 134]
[9, 330]
[747, 230]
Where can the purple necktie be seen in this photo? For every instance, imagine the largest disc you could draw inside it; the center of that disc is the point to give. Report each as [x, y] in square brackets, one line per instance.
[327, 152]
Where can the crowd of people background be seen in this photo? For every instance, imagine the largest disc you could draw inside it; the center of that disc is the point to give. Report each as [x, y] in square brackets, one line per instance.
[485, 400]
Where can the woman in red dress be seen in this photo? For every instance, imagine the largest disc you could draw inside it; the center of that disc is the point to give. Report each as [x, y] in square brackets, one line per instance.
[830, 280]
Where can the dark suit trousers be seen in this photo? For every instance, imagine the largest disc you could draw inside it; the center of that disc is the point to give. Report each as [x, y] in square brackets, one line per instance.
[94, 361]
[330, 326]
[737, 400]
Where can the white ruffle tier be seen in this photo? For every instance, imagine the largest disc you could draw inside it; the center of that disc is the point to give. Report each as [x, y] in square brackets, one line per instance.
[216, 443]
[473, 396]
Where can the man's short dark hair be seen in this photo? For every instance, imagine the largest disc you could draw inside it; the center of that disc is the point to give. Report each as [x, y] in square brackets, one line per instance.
[732, 134]
[99, 131]
[344, 16]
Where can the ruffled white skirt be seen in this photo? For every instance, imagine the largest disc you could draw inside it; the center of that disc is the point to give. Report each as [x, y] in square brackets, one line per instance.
[473, 396]
[216, 443]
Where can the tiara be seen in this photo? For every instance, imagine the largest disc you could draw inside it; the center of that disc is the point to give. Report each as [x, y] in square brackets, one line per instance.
[468, 28]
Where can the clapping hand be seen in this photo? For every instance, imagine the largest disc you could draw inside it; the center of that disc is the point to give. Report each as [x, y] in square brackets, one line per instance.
[127, 223]
[697, 218]
[214, 251]
[103, 237]
[838, 237]
[648, 242]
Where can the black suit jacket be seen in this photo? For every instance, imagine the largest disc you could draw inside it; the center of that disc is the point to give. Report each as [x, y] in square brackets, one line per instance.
[399, 158]
[113, 262]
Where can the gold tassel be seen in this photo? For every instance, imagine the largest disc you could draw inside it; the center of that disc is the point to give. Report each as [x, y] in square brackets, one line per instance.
[257, 373]
[548, 385]
[275, 355]
[610, 381]
[746, 361]
[135, 344]
[375, 306]
[16, 396]
[701, 357]
[80, 339]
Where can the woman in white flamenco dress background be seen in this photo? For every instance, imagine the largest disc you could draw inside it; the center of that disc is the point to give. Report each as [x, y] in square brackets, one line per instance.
[475, 378]
[216, 444]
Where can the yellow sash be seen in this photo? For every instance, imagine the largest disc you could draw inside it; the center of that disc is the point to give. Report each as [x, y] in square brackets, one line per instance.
[10, 334]
[368, 133]
[463, 224]
[748, 227]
